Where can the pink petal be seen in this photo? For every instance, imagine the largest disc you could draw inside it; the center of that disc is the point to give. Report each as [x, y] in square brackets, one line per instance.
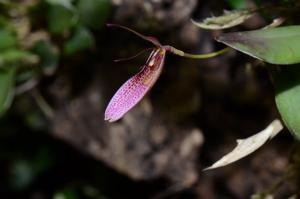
[134, 89]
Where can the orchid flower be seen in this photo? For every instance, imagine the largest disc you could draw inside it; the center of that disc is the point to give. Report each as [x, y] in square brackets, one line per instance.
[134, 89]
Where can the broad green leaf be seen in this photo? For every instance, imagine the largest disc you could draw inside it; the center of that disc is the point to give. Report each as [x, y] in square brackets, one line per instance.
[81, 40]
[7, 79]
[249, 145]
[287, 87]
[274, 45]
[227, 20]
[60, 19]
[94, 13]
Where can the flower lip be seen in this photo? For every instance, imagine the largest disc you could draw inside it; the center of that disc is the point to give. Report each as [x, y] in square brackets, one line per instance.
[134, 89]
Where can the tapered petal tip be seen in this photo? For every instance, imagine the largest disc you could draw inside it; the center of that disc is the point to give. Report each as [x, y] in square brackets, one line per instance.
[109, 120]
[110, 116]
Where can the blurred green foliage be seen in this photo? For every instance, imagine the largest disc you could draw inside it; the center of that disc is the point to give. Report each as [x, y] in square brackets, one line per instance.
[93, 13]
[36, 35]
[66, 194]
[60, 19]
[82, 38]
[7, 77]
[48, 55]
[7, 39]
[35, 38]
[236, 4]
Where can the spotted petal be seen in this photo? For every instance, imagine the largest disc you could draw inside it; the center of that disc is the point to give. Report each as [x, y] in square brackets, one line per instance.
[134, 89]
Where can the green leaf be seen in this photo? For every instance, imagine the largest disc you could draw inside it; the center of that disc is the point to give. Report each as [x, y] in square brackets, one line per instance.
[22, 174]
[7, 80]
[13, 56]
[237, 4]
[48, 55]
[274, 45]
[287, 88]
[227, 20]
[81, 40]
[94, 13]
[23, 171]
[65, 3]
[66, 194]
[60, 19]
[7, 39]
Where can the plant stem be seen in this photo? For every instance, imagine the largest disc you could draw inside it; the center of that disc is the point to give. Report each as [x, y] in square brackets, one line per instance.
[195, 56]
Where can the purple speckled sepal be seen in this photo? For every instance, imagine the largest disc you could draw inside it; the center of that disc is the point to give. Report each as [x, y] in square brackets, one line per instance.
[134, 89]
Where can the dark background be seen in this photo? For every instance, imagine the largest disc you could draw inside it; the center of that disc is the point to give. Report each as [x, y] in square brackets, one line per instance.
[55, 144]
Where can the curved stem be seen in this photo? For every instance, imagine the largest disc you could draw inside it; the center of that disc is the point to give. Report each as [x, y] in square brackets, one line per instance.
[195, 56]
